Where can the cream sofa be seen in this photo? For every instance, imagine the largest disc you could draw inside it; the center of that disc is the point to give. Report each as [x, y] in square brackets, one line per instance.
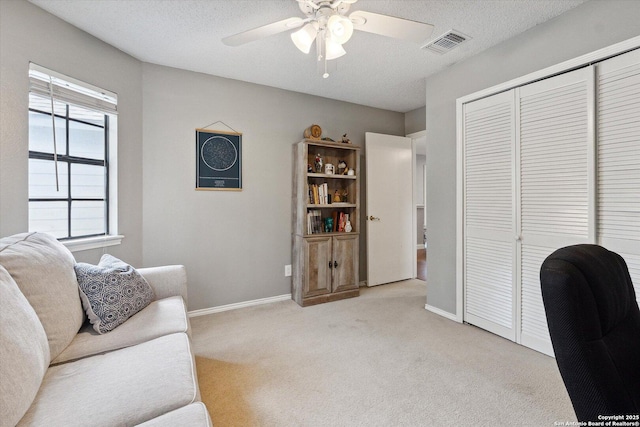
[56, 371]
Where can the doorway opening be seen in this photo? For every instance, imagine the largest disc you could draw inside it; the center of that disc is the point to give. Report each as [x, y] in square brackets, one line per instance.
[421, 264]
[419, 148]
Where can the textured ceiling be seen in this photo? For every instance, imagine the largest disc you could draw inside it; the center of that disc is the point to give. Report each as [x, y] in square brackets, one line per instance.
[376, 71]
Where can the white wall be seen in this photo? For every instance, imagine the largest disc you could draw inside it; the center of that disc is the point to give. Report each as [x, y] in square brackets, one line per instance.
[27, 33]
[234, 244]
[590, 26]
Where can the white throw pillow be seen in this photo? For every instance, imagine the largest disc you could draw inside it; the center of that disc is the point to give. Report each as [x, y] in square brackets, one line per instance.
[24, 352]
[43, 269]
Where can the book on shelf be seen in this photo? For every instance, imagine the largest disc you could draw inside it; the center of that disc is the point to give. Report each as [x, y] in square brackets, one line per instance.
[343, 218]
[315, 221]
[318, 194]
[318, 221]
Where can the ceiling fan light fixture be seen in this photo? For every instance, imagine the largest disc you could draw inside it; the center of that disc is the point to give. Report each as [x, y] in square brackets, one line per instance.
[333, 49]
[304, 37]
[328, 25]
[340, 28]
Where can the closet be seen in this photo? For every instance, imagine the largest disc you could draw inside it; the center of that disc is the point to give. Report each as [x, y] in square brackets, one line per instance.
[546, 165]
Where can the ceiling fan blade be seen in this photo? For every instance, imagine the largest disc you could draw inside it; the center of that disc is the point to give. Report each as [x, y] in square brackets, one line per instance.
[390, 26]
[264, 31]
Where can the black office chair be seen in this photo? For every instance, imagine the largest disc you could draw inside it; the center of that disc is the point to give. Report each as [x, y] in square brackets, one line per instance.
[594, 323]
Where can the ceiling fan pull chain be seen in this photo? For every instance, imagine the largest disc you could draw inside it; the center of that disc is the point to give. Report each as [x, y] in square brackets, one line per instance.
[326, 73]
[322, 50]
[320, 45]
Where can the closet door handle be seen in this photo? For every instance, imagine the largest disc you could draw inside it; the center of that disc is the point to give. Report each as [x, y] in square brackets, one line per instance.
[335, 264]
[330, 264]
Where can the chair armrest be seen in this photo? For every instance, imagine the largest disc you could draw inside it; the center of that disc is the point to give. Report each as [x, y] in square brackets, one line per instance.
[166, 281]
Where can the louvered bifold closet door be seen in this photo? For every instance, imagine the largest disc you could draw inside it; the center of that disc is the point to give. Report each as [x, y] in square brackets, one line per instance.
[618, 101]
[489, 282]
[556, 171]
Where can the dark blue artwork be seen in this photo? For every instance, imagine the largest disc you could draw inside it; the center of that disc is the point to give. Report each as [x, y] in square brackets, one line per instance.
[218, 160]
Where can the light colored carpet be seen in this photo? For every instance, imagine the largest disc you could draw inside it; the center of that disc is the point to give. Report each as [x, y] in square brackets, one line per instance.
[377, 360]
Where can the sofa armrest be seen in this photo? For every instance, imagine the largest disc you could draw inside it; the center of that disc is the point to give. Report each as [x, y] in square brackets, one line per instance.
[167, 281]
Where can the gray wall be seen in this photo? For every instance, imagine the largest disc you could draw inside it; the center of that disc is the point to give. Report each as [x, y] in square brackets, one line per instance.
[415, 120]
[234, 244]
[590, 26]
[27, 33]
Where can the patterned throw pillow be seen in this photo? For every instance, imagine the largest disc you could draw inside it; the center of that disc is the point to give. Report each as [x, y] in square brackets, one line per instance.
[111, 292]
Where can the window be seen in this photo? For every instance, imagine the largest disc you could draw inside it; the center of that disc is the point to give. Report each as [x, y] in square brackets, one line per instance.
[71, 187]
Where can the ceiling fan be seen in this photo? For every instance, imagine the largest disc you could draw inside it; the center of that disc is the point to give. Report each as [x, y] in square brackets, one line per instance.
[327, 24]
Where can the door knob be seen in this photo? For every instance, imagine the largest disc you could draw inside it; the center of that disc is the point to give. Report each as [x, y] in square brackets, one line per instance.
[374, 218]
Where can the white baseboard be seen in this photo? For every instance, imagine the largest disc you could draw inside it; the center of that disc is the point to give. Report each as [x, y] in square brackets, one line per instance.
[441, 312]
[237, 305]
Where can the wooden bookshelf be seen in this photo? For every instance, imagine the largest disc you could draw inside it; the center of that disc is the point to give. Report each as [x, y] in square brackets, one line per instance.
[325, 261]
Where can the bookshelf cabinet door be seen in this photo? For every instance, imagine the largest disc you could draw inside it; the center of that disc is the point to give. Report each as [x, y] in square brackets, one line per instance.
[345, 255]
[317, 277]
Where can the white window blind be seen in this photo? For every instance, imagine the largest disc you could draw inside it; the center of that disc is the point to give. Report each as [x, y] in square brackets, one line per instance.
[69, 90]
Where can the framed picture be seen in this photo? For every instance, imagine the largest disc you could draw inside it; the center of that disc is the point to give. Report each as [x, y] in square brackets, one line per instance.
[218, 160]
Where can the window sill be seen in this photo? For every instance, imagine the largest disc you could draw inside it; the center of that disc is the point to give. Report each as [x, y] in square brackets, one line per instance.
[85, 244]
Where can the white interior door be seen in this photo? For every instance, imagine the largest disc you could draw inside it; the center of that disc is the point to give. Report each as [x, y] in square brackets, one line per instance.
[489, 214]
[575, 177]
[556, 188]
[619, 159]
[389, 212]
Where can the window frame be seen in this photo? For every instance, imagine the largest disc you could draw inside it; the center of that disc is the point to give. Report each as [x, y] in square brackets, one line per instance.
[64, 85]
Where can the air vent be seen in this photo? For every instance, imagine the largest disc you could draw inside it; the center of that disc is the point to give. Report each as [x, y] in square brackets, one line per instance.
[446, 42]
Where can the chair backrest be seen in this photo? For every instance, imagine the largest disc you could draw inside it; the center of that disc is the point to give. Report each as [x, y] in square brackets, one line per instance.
[594, 323]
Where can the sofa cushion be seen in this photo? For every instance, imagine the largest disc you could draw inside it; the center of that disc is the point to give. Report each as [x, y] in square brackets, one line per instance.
[24, 352]
[191, 415]
[43, 269]
[111, 292]
[122, 387]
[162, 317]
